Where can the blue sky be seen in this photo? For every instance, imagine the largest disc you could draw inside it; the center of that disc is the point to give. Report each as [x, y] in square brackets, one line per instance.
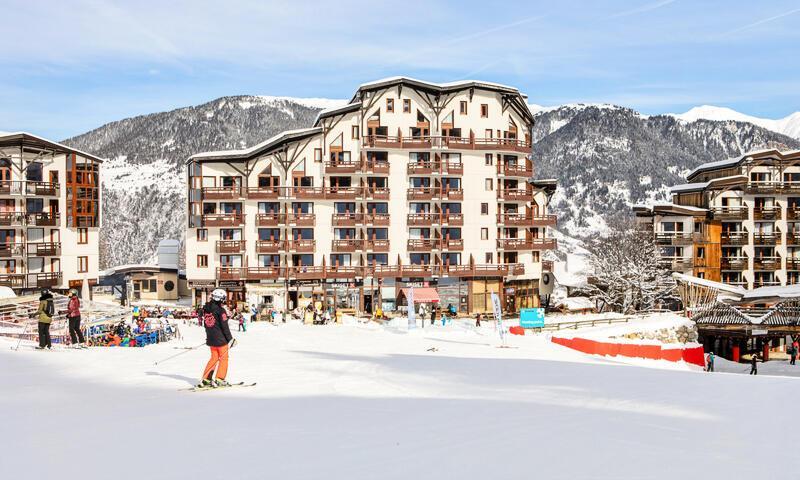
[70, 66]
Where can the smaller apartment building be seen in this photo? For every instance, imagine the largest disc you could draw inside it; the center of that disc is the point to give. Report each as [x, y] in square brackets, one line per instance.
[49, 214]
[737, 221]
[410, 183]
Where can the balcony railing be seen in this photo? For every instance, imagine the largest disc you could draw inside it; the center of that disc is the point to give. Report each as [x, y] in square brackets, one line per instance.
[734, 263]
[377, 193]
[269, 246]
[767, 238]
[730, 213]
[270, 219]
[452, 193]
[379, 168]
[422, 244]
[765, 283]
[734, 238]
[679, 264]
[452, 219]
[44, 279]
[793, 213]
[793, 238]
[346, 193]
[458, 143]
[674, 238]
[422, 219]
[301, 246]
[377, 219]
[347, 219]
[793, 264]
[319, 272]
[231, 273]
[13, 280]
[453, 244]
[347, 245]
[453, 168]
[514, 195]
[377, 245]
[12, 249]
[767, 213]
[421, 193]
[17, 187]
[264, 273]
[763, 187]
[231, 246]
[263, 193]
[223, 219]
[301, 219]
[304, 193]
[516, 171]
[341, 167]
[222, 193]
[423, 168]
[767, 263]
[43, 219]
[44, 249]
[10, 219]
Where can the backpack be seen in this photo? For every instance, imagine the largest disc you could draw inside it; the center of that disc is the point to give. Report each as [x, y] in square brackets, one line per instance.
[49, 309]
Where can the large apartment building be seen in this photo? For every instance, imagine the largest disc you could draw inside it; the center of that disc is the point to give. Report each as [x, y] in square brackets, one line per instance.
[49, 214]
[411, 183]
[737, 221]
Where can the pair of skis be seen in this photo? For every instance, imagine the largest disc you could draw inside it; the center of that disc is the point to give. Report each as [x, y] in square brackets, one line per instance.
[204, 389]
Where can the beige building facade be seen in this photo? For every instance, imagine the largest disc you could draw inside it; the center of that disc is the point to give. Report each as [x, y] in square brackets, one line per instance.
[410, 183]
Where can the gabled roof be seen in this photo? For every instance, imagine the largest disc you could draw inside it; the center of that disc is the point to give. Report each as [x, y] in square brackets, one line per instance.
[713, 183]
[737, 161]
[259, 149]
[669, 209]
[25, 139]
[329, 112]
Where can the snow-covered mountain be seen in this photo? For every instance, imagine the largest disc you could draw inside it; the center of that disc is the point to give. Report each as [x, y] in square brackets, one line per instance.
[606, 158]
[789, 125]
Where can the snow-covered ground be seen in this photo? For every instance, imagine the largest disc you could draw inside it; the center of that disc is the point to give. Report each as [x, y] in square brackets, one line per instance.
[367, 402]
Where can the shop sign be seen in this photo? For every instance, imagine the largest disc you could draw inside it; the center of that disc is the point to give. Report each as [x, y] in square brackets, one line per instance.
[531, 317]
[759, 332]
[201, 284]
[230, 284]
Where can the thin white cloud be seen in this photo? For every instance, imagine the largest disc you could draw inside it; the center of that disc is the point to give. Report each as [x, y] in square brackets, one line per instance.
[644, 8]
[761, 22]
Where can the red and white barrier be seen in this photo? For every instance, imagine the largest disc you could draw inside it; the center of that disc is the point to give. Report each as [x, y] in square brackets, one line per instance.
[691, 353]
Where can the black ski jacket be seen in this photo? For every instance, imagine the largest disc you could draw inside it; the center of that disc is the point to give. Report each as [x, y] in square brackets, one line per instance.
[216, 322]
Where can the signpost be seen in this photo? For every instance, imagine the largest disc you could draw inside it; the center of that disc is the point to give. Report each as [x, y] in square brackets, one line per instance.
[412, 319]
[531, 317]
[498, 317]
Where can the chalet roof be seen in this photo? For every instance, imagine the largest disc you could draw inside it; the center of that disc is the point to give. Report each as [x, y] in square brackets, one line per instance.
[713, 183]
[256, 150]
[29, 140]
[669, 208]
[328, 112]
[736, 161]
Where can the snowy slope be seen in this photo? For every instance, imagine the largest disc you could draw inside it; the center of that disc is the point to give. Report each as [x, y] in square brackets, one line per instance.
[353, 402]
[789, 125]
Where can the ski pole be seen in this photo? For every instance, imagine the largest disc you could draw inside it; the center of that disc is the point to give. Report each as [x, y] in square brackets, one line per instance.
[179, 354]
[24, 331]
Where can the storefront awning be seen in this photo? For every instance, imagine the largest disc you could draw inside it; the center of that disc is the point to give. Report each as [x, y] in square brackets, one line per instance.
[422, 295]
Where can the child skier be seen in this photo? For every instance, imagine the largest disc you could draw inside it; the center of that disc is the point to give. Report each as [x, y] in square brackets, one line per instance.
[218, 338]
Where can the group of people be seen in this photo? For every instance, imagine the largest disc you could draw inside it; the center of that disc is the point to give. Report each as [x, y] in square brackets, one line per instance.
[754, 359]
[435, 311]
[46, 312]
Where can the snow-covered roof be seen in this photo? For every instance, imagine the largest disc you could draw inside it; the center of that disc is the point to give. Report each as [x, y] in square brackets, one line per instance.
[699, 186]
[704, 282]
[773, 292]
[246, 153]
[735, 161]
[338, 109]
[137, 267]
[26, 138]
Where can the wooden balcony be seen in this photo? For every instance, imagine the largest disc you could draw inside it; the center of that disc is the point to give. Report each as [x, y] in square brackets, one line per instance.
[377, 168]
[344, 271]
[304, 193]
[453, 244]
[452, 168]
[264, 273]
[44, 249]
[766, 283]
[380, 246]
[342, 193]
[223, 219]
[221, 193]
[12, 187]
[514, 195]
[377, 193]
[456, 143]
[231, 273]
[793, 238]
[423, 168]
[485, 270]
[422, 219]
[46, 189]
[734, 238]
[44, 279]
[763, 187]
[730, 213]
[377, 219]
[674, 238]
[12, 219]
[386, 271]
[452, 219]
[301, 246]
[734, 263]
[231, 246]
[767, 238]
[417, 271]
[767, 213]
[307, 272]
[516, 244]
[508, 144]
[767, 263]
[301, 219]
[516, 171]
[793, 214]
[270, 219]
[341, 167]
[421, 193]
[347, 245]
[678, 264]
[12, 280]
[269, 246]
[263, 193]
[793, 264]
[422, 245]
[452, 193]
[791, 187]
[43, 219]
[347, 219]
[12, 249]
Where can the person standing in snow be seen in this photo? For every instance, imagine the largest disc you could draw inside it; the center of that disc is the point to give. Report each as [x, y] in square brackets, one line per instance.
[74, 320]
[45, 313]
[793, 353]
[754, 364]
[710, 364]
[218, 339]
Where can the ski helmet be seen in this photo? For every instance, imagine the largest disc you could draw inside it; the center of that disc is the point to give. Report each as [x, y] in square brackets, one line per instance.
[73, 292]
[219, 295]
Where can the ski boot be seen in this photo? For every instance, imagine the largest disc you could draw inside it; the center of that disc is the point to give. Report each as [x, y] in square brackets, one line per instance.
[221, 382]
[206, 383]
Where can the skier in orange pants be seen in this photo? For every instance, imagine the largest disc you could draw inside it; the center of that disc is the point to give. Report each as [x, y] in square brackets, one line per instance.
[218, 338]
